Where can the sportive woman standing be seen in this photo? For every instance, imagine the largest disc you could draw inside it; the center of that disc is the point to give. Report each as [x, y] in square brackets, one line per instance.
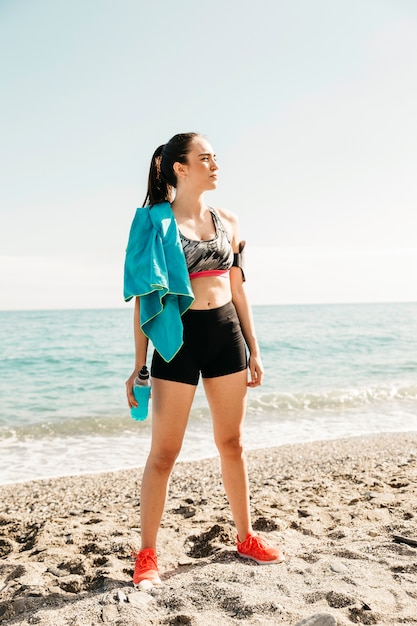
[218, 340]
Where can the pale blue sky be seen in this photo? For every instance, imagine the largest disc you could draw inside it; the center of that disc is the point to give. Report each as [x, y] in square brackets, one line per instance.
[310, 105]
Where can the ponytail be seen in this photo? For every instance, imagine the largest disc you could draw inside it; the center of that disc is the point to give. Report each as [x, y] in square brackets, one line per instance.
[162, 179]
[158, 189]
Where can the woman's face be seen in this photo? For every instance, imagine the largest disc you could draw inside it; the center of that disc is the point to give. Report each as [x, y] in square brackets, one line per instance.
[201, 168]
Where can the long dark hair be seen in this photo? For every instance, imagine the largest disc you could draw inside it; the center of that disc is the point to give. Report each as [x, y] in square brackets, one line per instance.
[162, 178]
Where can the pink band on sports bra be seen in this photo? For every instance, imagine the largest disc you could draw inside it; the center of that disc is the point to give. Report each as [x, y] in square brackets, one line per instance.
[223, 273]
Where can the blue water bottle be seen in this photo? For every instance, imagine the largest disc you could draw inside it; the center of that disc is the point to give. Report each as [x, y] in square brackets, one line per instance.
[141, 391]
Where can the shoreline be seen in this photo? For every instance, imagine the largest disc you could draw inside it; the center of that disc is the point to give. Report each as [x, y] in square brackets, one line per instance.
[334, 506]
[188, 454]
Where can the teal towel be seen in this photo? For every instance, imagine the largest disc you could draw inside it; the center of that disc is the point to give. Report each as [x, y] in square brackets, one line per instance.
[155, 269]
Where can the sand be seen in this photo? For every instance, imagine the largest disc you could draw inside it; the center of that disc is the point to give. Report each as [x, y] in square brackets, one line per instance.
[335, 508]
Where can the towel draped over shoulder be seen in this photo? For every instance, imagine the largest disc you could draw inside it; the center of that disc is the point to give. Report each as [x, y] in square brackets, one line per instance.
[156, 270]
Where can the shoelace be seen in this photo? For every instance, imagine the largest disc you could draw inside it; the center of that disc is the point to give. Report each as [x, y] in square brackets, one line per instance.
[147, 561]
[255, 543]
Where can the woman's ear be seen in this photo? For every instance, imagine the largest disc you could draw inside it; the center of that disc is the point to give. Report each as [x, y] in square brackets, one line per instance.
[180, 169]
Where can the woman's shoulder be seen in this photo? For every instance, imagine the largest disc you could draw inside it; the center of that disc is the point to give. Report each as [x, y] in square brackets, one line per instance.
[227, 215]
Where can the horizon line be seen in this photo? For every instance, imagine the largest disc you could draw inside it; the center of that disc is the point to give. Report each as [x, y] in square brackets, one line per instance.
[274, 304]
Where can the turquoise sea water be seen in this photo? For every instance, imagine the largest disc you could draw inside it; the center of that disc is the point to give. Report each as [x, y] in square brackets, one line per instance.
[331, 371]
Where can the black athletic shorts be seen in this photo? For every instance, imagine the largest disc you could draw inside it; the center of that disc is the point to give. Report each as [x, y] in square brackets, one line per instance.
[213, 345]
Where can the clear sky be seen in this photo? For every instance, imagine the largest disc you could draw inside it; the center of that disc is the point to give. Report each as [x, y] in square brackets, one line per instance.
[311, 108]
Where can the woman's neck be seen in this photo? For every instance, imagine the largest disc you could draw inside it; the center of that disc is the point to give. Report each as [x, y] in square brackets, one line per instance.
[187, 205]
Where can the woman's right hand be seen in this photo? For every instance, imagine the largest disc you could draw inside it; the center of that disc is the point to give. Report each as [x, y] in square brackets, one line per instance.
[129, 390]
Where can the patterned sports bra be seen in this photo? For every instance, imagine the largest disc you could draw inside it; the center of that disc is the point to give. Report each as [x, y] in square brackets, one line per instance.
[212, 257]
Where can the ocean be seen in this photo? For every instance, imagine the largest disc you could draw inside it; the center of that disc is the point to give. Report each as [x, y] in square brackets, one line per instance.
[331, 371]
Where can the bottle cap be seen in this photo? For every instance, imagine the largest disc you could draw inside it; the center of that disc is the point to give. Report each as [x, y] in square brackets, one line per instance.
[143, 374]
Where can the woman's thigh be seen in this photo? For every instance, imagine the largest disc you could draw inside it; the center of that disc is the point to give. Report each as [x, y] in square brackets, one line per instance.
[171, 405]
[226, 396]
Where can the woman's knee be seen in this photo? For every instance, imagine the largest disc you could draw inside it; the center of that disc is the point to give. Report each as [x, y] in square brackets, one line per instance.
[163, 461]
[230, 447]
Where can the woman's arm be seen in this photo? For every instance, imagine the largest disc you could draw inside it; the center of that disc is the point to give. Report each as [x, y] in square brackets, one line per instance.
[244, 311]
[141, 350]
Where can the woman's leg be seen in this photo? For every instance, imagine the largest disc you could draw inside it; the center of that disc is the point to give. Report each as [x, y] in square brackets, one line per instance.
[171, 404]
[226, 396]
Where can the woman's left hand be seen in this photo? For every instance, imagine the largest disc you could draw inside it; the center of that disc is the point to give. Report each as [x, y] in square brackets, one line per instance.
[256, 371]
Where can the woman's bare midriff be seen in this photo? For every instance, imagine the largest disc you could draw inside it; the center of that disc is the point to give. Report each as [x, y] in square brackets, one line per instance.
[211, 292]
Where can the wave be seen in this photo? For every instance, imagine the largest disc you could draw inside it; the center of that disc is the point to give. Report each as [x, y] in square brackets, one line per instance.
[387, 396]
[381, 399]
[72, 427]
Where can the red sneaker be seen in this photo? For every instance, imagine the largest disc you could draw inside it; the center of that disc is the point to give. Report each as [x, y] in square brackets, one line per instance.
[146, 569]
[257, 549]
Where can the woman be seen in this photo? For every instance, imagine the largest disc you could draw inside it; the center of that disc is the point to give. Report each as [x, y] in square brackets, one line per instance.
[217, 330]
